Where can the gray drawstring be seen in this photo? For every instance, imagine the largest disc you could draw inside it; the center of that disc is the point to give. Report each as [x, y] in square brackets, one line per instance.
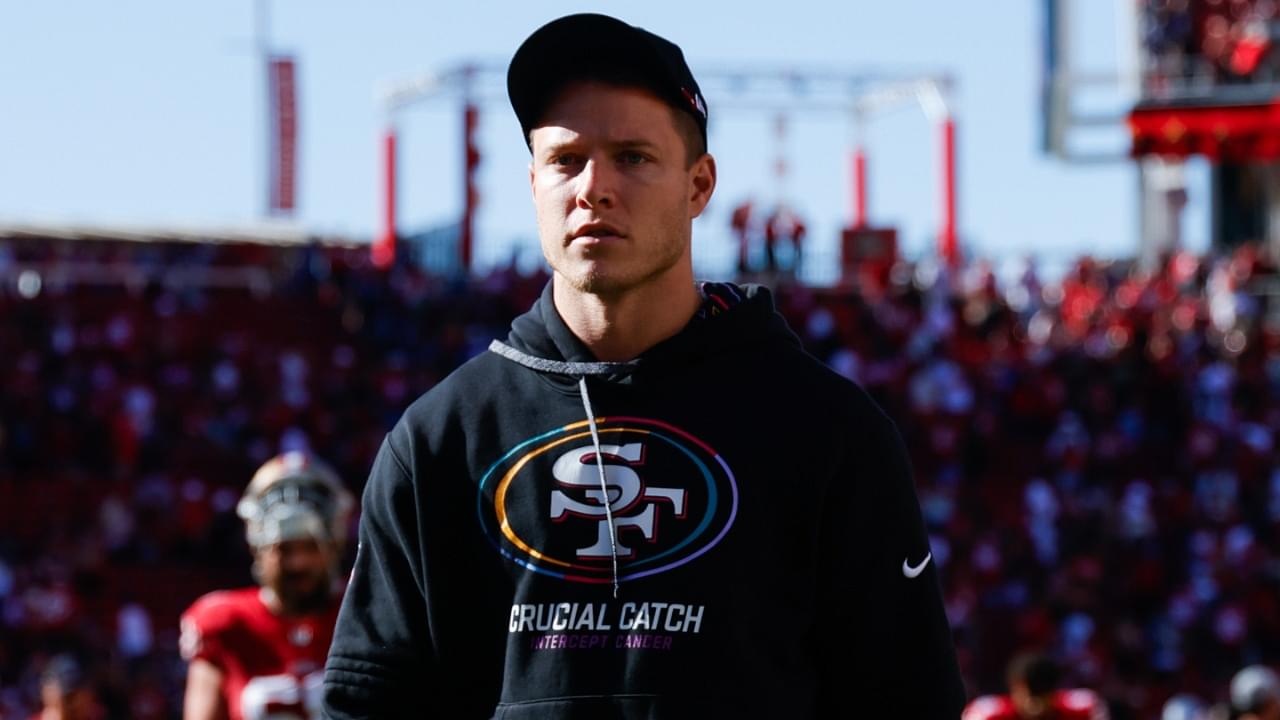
[580, 370]
[604, 486]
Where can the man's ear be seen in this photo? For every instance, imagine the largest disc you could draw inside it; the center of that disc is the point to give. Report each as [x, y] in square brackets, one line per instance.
[702, 183]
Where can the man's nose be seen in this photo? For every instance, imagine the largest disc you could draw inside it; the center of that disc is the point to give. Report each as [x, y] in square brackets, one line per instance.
[291, 559]
[596, 185]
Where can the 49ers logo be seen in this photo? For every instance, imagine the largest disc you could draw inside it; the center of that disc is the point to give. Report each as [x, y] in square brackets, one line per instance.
[628, 494]
[671, 496]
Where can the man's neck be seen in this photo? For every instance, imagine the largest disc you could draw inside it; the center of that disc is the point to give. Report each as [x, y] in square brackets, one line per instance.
[619, 328]
[277, 606]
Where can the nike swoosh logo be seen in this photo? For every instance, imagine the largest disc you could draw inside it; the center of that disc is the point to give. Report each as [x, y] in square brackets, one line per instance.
[913, 572]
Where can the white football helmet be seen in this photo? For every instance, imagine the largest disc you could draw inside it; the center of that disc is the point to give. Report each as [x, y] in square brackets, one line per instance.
[295, 495]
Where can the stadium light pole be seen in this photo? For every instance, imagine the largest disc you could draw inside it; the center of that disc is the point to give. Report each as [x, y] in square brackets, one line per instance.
[949, 245]
[930, 94]
[392, 99]
[932, 98]
[471, 161]
[859, 173]
[383, 250]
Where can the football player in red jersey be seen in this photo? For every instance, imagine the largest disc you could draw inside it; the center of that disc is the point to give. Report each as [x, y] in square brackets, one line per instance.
[1034, 695]
[258, 653]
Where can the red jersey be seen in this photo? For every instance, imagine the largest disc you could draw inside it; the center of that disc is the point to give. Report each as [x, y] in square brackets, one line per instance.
[1065, 704]
[273, 665]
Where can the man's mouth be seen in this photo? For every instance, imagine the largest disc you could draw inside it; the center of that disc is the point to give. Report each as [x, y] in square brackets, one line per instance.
[597, 232]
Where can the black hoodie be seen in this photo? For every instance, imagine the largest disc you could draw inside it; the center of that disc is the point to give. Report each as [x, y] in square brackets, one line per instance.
[761, 553]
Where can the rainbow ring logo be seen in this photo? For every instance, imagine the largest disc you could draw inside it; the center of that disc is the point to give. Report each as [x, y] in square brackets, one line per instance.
[673, 498]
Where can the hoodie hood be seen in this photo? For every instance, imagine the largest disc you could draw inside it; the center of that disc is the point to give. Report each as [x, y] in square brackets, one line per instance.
[730, 319]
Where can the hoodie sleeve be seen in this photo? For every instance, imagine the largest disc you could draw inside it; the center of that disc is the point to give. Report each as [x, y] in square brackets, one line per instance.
[885, 644]
[378, 664]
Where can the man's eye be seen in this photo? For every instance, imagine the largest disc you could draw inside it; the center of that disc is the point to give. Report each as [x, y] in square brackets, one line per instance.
[633, 158]
[564, 160]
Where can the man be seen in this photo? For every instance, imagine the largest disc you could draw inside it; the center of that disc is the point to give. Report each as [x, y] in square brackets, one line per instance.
[1034, 695]
[648, 502]
[259, 652]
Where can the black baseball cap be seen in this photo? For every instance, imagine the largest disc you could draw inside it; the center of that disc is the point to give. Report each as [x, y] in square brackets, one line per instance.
[592, 46]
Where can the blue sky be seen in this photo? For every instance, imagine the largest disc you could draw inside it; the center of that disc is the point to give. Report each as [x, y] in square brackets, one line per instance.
[148, 112]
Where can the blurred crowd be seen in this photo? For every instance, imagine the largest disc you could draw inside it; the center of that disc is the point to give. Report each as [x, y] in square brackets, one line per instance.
[1095, 455]
[1191, 43]
[1096, 460]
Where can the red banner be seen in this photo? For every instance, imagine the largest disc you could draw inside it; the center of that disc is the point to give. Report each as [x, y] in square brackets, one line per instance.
[284, 134]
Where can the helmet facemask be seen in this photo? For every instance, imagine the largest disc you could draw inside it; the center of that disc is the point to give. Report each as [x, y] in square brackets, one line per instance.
[296, 500]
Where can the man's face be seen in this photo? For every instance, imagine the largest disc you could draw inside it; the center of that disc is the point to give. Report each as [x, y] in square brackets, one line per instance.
[613, 188]
[1029, 706]
[297, 571]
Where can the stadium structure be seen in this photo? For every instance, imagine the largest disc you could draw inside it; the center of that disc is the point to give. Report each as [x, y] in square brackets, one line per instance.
[777, 92]
[1196, 79]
